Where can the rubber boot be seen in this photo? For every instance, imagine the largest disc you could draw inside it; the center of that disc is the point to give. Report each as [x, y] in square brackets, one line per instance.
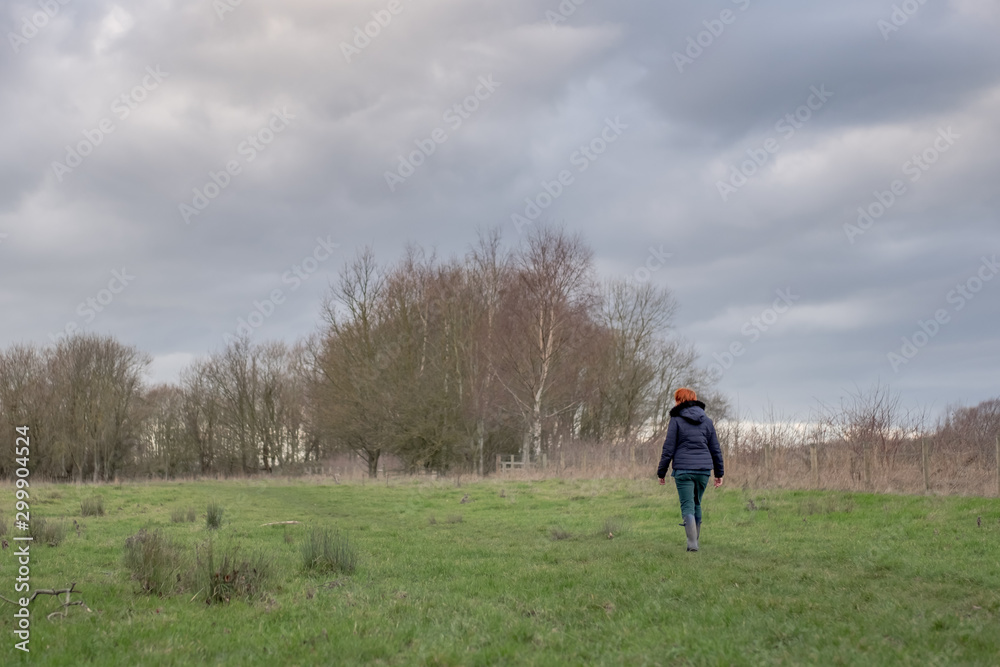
[691, 528]
[698, 522]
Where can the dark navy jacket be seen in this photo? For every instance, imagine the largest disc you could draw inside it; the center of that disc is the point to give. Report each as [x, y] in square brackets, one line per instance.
[691, 441]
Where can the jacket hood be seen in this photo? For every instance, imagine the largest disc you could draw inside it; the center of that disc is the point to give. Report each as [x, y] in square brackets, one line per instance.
[691, 411]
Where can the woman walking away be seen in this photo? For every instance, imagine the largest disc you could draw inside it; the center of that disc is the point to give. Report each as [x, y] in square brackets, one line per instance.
[693, 447]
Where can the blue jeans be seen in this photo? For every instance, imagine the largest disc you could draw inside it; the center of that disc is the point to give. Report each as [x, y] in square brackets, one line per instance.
[691, 485]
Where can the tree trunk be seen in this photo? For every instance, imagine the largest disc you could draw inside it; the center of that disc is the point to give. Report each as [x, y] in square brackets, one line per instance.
[536, 426]
[480, 446]
[373, 456]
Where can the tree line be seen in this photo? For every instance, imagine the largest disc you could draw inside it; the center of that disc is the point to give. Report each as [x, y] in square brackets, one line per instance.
[441, 364]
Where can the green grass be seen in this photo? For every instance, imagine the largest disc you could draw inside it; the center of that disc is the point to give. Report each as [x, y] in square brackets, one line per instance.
[801, 578]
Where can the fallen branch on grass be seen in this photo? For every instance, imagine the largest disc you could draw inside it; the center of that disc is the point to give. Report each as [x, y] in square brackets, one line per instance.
[280, 523]
[56, 592]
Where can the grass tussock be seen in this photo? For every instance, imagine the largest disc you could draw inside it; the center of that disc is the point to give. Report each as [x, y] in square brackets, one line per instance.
[324, 550]
[229, 575]
[614, 525]
[154, 561]
[3, 527]
[51, 533]
[180, 515]
[213, 518]
[558, 533]
[93, 506]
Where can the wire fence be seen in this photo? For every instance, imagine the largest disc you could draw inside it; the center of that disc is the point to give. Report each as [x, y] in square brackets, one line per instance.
[913, 467]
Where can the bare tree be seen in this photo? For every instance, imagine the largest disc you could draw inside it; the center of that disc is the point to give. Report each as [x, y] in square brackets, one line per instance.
[22, 399]
[489, 274]
[355, 363]
[252, 407]
[874, 425]
[306, 358]
[971, 432]
[548, 318]
[164, 446]
[232, 376]
[635, 318]
[96, 383]
[201, 414]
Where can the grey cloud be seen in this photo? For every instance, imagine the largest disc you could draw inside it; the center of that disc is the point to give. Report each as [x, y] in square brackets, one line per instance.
[657, 186]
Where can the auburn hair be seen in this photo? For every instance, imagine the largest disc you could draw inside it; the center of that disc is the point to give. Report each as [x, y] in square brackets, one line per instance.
[685, 394]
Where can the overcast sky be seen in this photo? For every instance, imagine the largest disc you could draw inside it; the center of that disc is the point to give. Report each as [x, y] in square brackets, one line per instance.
[169, 166]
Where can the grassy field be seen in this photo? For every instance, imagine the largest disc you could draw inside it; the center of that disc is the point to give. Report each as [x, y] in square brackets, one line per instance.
[525, 573]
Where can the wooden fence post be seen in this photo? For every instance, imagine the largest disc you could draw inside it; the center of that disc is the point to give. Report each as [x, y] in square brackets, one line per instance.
[736, 441]
[767, 461]
[814, 463]
[868, 466]
[925, 464]
[998, 464]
